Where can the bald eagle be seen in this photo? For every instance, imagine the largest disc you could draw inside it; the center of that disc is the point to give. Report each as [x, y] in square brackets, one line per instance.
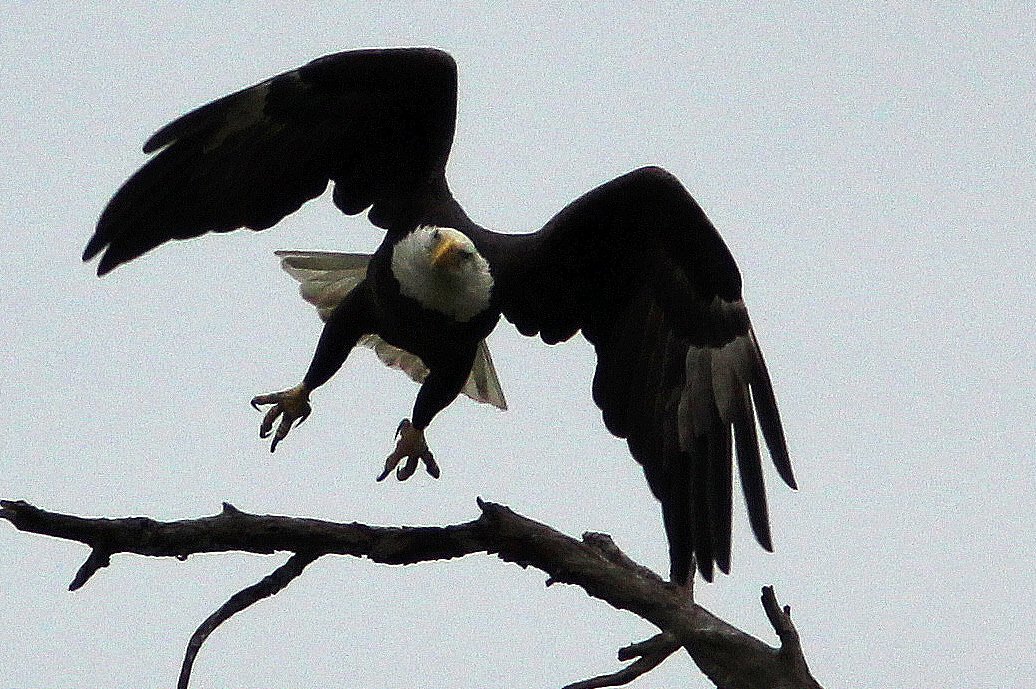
[635, 265]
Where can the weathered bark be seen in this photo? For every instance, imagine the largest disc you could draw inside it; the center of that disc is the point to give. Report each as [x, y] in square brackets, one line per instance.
[730, 658]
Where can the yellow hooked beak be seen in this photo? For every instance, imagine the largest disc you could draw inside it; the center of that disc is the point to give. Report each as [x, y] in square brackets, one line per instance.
[447, 252]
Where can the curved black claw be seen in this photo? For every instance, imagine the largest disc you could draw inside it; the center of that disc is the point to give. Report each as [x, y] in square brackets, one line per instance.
[291, 405]
[412, 447]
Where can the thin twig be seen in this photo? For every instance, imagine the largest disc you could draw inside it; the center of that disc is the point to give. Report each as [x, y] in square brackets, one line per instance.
[99, 557]
[649, 653]
[264, 588]
[791, 646]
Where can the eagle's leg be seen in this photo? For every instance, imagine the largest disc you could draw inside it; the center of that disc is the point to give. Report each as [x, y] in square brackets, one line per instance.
[348, 322]
[444, 382]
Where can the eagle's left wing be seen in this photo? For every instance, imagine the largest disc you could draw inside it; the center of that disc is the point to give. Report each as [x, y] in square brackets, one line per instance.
[638, 268]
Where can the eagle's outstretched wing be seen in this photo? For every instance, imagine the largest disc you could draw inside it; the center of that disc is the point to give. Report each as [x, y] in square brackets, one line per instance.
[638, 268]
[379, 123]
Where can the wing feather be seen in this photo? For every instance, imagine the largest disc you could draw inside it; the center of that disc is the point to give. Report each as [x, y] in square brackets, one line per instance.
[720, 495]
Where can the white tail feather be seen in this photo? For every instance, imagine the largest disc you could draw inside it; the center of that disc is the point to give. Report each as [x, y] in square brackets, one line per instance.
[326, 277]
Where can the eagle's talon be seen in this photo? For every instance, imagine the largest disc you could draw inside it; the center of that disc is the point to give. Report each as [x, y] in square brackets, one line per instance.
[406, 469]
[412, 447]
[430, 465]
[290, 405]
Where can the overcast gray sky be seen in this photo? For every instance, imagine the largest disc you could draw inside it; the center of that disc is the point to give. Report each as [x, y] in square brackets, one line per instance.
[870, 168]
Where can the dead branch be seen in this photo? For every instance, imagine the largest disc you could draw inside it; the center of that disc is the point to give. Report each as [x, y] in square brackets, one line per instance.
[730, 658]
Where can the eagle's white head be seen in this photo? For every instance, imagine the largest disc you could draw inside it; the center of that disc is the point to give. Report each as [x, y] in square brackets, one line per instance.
[440, 268]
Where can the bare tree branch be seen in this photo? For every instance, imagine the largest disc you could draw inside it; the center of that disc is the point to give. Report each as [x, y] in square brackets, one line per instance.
[730, 658]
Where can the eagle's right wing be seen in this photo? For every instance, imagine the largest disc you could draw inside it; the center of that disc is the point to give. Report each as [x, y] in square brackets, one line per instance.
[378, 123]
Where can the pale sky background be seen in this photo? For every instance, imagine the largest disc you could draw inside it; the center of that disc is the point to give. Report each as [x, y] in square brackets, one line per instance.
[870, 168]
